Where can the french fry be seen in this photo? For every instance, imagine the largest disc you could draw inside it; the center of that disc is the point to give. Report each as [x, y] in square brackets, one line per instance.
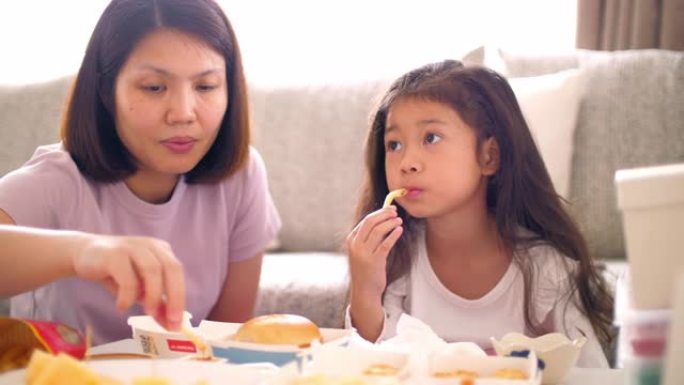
[201, 346]
[381, 370]
[392, 195]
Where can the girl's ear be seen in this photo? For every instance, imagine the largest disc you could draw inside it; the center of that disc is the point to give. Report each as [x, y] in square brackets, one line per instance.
[491, 156]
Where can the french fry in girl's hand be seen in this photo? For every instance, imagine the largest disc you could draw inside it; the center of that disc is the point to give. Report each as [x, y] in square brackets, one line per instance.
[392, 195]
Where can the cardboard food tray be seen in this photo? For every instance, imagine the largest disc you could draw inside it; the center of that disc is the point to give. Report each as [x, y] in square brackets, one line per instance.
[345, 366]
[337, 365]
[484, 366]
[220, 337]
[156, 341]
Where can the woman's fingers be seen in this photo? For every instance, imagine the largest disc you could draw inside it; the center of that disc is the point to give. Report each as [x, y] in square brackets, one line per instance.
[162, 277]
[149, 270]
[174, 287]
[123, 274]
[137, 269]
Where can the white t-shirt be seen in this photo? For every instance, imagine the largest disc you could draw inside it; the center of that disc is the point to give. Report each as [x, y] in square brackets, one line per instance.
[422, 295]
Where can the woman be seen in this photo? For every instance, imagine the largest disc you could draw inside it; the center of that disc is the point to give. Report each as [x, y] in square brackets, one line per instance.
[155, 143]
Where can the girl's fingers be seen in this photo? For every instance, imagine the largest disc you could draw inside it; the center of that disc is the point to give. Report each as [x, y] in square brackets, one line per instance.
[386, 245]
[373, 219]
[349, 241]
[380, 232]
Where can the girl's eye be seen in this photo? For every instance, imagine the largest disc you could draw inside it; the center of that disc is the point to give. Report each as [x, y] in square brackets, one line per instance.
[393, 145]
[432, 138]
[154, 88]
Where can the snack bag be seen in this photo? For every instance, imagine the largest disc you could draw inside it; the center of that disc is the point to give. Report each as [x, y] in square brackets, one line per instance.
[19, 338]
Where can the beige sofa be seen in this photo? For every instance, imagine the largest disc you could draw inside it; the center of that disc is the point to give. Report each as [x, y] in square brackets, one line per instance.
[630, 113]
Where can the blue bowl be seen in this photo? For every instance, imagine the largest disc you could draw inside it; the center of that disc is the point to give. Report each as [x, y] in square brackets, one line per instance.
[237, 355]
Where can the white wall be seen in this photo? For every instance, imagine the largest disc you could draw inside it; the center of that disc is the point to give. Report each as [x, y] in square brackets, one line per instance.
[303, 41]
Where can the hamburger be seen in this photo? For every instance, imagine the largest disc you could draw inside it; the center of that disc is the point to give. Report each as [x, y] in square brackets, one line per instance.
[279, 329]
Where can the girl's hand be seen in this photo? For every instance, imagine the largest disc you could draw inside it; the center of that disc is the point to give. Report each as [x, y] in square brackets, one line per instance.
[368, 246]
[135, 269]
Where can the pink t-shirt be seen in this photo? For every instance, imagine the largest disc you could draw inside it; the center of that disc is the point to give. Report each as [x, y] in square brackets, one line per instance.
[208, 226]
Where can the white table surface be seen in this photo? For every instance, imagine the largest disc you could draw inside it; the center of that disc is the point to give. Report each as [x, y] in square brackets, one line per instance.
[577, 376]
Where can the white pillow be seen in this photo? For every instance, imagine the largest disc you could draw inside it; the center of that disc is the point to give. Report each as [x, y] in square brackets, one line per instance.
[550, 104]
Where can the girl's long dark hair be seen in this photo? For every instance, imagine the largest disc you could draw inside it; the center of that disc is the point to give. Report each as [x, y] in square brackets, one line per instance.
[519, 195]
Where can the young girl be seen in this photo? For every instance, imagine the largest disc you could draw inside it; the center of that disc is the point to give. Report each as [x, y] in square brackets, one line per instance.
[480, 244]
[155, 143]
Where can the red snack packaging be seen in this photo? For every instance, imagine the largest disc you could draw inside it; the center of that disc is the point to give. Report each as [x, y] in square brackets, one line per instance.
[19, 338]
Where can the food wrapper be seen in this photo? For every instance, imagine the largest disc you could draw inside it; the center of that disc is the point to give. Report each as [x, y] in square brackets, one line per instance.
[418, 339]
[345, 365]
[330, 365]
[433, 361]
[19, 338]
[156, 341]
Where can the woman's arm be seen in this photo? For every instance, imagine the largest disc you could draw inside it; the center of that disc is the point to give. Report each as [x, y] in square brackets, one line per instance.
[239, 294]
[136, 269]
[30, 258]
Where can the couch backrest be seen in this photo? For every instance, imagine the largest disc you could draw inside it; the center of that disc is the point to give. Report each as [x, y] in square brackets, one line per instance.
[631, 115]
[312, 139]
[29, 116]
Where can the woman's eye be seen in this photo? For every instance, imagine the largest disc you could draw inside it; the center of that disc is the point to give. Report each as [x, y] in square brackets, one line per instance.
[432, 138]
[206, 87]
[393, 145]
[154, 88]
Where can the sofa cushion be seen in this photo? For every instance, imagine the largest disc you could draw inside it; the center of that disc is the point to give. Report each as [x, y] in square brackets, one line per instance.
[310, 284]
[550, 103]
[311, 139]
[517, 64]
[29, 116]
[631, 116]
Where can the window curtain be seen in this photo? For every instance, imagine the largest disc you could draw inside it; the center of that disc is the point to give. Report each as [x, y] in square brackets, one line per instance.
[610, 25]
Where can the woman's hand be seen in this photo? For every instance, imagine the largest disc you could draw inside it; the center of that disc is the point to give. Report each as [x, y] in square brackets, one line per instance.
[136, 269]
[368, 246]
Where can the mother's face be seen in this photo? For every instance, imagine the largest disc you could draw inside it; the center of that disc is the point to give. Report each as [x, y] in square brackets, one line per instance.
[170, 99]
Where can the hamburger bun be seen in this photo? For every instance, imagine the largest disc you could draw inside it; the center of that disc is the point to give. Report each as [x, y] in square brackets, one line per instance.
[279, 329]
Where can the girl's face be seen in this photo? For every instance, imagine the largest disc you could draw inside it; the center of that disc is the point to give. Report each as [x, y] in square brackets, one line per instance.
[432, 153]
[171, 96]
